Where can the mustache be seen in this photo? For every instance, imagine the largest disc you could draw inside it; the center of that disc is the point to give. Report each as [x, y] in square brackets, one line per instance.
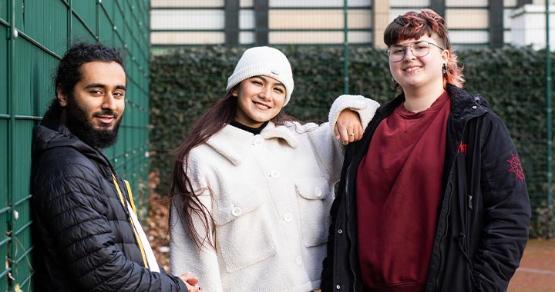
[106, 112]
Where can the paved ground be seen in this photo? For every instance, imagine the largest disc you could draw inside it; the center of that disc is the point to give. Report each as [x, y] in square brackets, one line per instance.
[537, 269]
[536, 272]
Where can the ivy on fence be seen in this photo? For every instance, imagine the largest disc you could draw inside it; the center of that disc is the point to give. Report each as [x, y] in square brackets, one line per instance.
[185, 82]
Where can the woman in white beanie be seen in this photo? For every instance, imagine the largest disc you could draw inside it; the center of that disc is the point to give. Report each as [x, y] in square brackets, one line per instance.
[252, 188]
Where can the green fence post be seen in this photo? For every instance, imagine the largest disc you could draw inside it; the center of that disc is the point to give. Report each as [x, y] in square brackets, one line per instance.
[345, 47]
[11, 135]
[69, 24]
[548, 97]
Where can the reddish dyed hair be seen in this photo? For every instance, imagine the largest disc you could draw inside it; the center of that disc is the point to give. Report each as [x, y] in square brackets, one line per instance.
[414, 25]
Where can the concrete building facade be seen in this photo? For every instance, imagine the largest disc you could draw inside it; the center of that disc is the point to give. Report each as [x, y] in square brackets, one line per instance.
[472, 23]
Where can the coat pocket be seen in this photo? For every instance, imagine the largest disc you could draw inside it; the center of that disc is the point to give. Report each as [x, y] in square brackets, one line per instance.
[315, 196]
[243, 232]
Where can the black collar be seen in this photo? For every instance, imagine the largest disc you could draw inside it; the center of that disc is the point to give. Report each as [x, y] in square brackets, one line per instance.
[254, 131]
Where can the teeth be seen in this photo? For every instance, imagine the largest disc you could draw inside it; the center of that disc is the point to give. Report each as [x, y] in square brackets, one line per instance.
[261, 106]
[410, 69]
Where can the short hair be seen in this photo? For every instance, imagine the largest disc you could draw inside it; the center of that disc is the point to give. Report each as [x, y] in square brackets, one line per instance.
[414, 25]
[69, 73]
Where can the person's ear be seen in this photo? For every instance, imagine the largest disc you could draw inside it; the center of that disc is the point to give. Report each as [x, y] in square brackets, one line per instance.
[61, 97]
[235, 92]
[445, 55]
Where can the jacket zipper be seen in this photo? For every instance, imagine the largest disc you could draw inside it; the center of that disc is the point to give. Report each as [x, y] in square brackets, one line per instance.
[448, 211]
[444, 234]
[347, 230]
[335, 279]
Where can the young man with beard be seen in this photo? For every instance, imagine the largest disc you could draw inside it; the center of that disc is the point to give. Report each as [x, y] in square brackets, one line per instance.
[85, 230]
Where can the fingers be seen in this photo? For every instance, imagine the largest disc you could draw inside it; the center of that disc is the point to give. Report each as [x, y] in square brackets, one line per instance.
[336, 132]
[190, 281]
[354, 133]
[191, 288]
[189, 278]
[348, 127]
[345, 136]
[348, 133]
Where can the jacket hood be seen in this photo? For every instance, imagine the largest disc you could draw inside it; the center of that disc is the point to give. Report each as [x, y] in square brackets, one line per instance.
[464, 105]
[46, 138]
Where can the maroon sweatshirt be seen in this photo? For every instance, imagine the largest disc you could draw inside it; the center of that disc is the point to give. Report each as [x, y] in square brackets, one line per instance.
[398, 192]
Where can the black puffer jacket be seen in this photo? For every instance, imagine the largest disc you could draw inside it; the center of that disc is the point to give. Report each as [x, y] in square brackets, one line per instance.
[482, 224]
[82, 235]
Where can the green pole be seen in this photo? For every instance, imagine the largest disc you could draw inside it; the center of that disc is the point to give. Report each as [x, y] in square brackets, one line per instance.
[548, 97]
[10, 245]
[345, 48]
[69, 24]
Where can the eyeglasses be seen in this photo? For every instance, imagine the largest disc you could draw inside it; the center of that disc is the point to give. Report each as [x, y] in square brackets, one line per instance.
[397, 53]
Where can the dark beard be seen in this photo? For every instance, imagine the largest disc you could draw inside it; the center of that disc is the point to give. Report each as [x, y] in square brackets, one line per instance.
[76, 122]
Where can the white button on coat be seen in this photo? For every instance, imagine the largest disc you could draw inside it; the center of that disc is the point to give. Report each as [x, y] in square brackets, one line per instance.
[236, 211]
[287, 217]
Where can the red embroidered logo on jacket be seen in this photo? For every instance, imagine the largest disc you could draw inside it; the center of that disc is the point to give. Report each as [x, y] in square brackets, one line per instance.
[462, 148]
[515, 167]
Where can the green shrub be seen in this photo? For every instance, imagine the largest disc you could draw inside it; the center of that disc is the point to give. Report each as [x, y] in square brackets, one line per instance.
[185, 82]
[544, 224]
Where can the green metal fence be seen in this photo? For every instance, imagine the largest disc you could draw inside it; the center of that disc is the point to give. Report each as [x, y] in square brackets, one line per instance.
[34, 34]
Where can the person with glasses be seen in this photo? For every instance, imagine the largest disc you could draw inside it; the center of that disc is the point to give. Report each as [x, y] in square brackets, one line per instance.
[433, 198]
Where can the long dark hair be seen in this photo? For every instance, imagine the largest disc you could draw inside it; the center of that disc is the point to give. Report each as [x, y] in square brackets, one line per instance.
[213, 120]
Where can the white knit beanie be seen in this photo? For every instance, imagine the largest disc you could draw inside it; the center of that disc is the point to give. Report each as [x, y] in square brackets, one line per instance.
[263, 61]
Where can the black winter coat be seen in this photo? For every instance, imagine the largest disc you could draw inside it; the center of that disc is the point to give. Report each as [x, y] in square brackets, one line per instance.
[82, 235]
[482, 224]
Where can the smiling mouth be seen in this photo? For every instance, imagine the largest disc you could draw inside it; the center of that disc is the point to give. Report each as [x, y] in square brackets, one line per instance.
[261, 106]
[411, 68]
[105, 119]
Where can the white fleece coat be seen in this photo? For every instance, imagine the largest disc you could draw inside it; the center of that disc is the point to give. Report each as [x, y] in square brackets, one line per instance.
[269, 196]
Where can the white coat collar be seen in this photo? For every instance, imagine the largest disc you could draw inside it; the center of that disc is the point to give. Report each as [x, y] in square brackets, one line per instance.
[232, 142]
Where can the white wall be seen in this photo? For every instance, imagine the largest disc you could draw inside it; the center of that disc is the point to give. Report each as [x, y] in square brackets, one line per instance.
[528, 26]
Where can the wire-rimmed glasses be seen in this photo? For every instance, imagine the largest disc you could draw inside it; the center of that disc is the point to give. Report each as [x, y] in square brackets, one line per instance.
[397, 53]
